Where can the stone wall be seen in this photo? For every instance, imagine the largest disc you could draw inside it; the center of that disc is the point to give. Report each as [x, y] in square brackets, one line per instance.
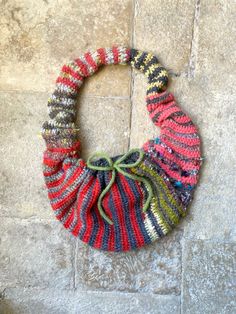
[42, 268]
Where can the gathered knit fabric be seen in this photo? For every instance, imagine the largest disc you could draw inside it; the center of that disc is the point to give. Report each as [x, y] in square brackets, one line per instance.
[123, 202]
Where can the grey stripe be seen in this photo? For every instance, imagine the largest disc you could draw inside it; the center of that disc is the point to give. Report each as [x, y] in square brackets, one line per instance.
[69, 173]
[71, 188]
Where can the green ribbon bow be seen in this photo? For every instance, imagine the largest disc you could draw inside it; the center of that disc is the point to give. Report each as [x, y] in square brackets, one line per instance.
[120, 167]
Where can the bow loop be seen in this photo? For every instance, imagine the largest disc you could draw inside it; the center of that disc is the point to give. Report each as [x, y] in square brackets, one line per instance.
[121, 161]
[120, 166]
[99, 155]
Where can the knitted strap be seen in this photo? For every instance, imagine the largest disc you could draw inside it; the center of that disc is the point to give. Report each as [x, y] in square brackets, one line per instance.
[178, 148]
[60, 130]
[148, 64]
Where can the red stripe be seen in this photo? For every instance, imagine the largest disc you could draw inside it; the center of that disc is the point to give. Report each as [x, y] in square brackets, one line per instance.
[65, 200]
[181, 139]
[56, 182]
[82, 67]
[182, 119]
[111, 240]
[179, 128]
[69, 70]
[91, 61]
[77, 228]
[159, 96]
[175, 175]
[168, 155]
[115, 55]
[70, 218]
[51, 171]
[100, 233]
[64, 150]
[101, 221]
[128, 54]
[90, 206]
[191, 179]
[67, 82]
[181, 150]
[120, 215]
[65, 185]
[160, 109]
[102, 55]
[166, 114]
[66, 209]
[186, 165]
[133, 218]
[79, 202]
[49, 162]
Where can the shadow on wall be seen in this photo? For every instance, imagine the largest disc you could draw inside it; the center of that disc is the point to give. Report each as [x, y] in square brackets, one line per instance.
[5, 307]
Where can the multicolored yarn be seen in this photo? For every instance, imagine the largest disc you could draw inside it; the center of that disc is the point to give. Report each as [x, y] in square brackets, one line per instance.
[127, 201]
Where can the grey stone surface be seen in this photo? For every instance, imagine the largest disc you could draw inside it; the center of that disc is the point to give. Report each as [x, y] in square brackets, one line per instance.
[165, 28]
[40, 263]
[153, 269]
[216, 53]
[142, 128]
[104, 125]
[27, 301]
[209, 277]
[35, 254]
[22, 191]
[38, 37]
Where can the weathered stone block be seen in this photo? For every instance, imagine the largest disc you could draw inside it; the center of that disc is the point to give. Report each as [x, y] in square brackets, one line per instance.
[40, 301]
[154, 269]
[209, 277]
[38, 38]
[216, 55]
[142, 127]
[165, 28]
[27, 301]
[104, 125]
[34, 254]
[22, 190]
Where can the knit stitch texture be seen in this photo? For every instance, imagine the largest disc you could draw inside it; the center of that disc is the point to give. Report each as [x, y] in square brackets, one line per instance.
[127, 201]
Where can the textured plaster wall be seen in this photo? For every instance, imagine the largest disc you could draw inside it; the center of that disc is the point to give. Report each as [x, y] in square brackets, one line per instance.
[42, 268]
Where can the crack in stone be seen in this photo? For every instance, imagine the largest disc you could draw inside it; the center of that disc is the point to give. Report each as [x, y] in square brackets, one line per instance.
[2, 294]
[174, 74]
[13, 16]
[132, 72]
[74, 263]
[194, 42]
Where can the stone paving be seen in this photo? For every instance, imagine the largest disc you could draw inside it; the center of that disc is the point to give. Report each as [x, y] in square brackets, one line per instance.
[42, 268]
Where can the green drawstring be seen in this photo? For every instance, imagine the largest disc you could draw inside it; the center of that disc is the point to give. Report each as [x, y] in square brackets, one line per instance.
[120, 167]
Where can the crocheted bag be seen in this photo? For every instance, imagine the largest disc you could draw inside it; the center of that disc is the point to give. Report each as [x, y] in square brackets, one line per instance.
[127, 201]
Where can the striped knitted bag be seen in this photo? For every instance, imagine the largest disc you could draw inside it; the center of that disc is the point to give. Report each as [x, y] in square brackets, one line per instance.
[124, 202]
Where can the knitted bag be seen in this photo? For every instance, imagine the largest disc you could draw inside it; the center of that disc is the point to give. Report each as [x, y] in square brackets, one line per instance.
[127, 201]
